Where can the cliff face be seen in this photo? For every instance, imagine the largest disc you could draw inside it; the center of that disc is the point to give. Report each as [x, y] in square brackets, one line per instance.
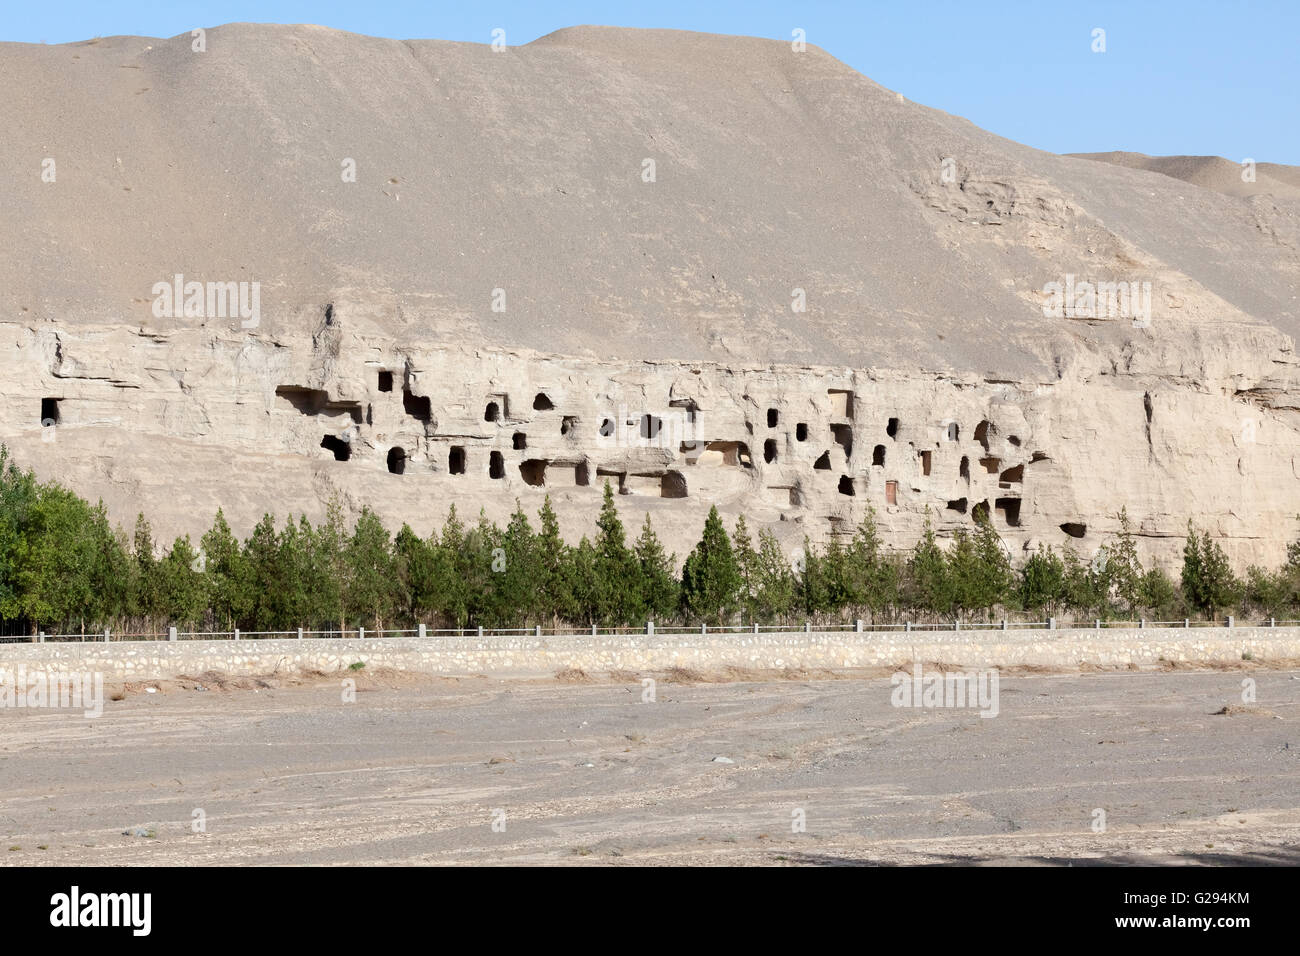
[814, 296]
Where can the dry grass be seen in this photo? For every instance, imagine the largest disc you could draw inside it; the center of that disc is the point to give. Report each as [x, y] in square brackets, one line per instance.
[573, 675]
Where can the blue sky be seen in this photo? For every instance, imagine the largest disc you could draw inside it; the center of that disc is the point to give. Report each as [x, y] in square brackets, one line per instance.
[1188, 77]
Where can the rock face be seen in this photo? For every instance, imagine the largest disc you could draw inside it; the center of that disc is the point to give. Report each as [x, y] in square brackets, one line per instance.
[710, 270]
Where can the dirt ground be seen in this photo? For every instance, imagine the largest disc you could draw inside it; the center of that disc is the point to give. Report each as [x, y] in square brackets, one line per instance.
[582, 770]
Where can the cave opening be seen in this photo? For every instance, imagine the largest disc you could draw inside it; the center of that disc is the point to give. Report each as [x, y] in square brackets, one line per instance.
[418, 407]
[397, 461]
[843, 435]
[769, 450]
[1009, 508]
[496, 465]
[533, 471]
[456, 460]
[341, 449]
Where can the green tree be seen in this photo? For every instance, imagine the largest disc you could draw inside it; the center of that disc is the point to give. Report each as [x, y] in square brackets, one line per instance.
[928, 584]
[1158, 593]
[18, 492]
[372, 591]
[416, 569]
[57, 560]
[183, 590]
[455, 571]
[776, 588]
[580, 594]
[1042, 581]
[1124, 565]
[1208, 581]
[227, 575]
[747, 563]
[660, 591]
[260, 565]
[145, 600]
[552, 565]
[710, 577]
[871, 579]
[617, 575]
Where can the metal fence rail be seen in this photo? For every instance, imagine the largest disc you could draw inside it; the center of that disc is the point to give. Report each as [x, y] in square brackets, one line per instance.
[649, 629]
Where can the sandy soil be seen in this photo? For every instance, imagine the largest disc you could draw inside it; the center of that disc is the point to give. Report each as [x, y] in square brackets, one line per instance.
[416, 770]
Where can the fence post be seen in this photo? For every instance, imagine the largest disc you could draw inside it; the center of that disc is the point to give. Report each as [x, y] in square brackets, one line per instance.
[1097, 623]
[236, 633]
[807, 627]
[859, 625]
[41, 639]
[480, 630]
[593, 630]
[1004, 624]
[538, 631]
[1229, 620]
[1142, 622]
[106, 635]
[361, 633]
[907, 626]
[171, 633]
[650, 628]
[1051, 623]
[1187, 622]
[1272, 622]
[300, 634]
[422, 630]
[755, 627]
[704, 628]
[956, 625]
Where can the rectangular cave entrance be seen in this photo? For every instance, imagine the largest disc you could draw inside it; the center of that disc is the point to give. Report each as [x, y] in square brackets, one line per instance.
[533, 471]
[891, 492]
[496, 465]
[50, 411]
[1009, 510]
[385, 380]
[316, 401]
[843, 435]
[456, 460]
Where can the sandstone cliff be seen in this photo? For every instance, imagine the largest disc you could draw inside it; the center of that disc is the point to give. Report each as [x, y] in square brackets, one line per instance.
[509, 300]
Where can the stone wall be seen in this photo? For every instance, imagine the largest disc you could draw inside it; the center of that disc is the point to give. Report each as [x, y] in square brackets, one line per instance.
[530, 656]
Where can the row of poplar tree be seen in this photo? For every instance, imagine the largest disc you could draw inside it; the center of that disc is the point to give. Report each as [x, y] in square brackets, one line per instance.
[64, 568]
